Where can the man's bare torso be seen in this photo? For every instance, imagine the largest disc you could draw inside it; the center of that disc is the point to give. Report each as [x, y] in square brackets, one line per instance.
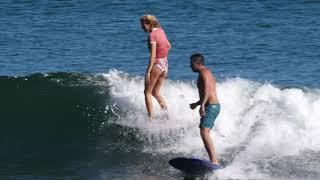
[211, 86]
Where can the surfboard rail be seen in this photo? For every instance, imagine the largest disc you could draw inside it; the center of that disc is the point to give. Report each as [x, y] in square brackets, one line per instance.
[193, 165]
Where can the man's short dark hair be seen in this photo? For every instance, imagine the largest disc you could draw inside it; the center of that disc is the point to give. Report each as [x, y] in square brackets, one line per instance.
[197, 58]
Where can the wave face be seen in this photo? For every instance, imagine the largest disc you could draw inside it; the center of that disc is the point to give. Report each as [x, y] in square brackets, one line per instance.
[57, 105]
[262, 131]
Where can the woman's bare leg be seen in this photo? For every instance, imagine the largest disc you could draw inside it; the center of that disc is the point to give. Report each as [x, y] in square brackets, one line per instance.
[154, 76]
[156, 90]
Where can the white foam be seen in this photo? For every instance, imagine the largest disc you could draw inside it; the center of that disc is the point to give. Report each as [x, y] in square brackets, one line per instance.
[256, 122]
[127, 93]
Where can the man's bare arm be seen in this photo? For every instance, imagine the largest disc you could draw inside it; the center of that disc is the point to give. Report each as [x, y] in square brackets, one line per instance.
[206, 87]
[194, 105]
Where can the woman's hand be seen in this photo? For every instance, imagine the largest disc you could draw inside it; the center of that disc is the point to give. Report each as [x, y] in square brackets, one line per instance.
[147, 78]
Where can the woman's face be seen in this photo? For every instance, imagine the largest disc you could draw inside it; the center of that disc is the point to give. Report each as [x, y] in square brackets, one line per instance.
[146, 27]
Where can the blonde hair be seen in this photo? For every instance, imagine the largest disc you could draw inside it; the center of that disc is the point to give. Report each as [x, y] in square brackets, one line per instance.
[151, 20]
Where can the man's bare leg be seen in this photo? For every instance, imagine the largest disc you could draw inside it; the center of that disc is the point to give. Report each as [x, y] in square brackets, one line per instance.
[205, 135]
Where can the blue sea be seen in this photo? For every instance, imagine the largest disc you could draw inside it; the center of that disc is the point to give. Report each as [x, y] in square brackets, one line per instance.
[72, 80]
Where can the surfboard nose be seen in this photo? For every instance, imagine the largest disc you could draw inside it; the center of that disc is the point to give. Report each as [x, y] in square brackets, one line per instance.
[176, 162]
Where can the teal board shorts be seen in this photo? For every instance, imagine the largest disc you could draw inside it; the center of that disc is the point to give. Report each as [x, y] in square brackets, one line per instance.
[212, 111]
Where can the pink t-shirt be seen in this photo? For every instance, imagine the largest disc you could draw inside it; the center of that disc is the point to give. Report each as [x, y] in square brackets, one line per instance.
[159, 37]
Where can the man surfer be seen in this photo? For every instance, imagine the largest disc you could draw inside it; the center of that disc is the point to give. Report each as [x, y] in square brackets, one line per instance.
[209, 104]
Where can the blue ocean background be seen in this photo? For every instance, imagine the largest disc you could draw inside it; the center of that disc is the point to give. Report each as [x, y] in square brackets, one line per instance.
[71, 88]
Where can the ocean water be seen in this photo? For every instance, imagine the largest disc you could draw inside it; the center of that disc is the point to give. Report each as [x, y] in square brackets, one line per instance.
[71, 89]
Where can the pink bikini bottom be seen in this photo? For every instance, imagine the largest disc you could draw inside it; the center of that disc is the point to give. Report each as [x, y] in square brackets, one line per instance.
[162, 64]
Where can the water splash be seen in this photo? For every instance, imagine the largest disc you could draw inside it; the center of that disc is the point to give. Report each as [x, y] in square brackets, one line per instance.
[257, 123]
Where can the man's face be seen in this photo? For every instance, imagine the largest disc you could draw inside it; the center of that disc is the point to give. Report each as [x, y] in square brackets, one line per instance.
[194, 66]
